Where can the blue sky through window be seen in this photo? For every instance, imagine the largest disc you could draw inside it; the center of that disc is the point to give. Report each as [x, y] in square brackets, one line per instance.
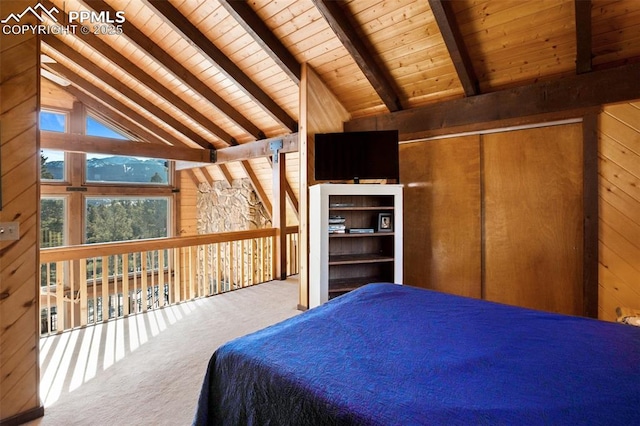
[53, 121]
[96, 128]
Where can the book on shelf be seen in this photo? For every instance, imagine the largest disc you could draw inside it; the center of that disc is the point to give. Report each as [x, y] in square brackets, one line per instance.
[361, 230]
[336, 220]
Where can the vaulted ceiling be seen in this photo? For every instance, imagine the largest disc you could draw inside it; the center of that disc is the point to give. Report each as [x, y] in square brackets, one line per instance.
[218, 73]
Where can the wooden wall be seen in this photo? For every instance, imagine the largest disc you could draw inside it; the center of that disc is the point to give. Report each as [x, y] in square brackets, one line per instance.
[619, 216]
[497, 216]
[19, 153]
[320, 112]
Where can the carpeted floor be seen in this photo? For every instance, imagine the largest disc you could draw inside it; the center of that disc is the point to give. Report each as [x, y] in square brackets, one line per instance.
[148, 369]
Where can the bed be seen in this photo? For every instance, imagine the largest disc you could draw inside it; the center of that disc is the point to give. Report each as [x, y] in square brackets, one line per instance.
[387, 354]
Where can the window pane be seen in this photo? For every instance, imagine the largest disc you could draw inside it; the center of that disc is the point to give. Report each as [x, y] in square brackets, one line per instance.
[53, 121]
[121, 219]
[96, 128]
[52, 222]
[119, 169]
[51, 165]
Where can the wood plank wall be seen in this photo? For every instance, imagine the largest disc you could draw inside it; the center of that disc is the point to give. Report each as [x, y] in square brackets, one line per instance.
[497, 216]
[320, 112]
[619, 216]
[187, 205]
[19, 153]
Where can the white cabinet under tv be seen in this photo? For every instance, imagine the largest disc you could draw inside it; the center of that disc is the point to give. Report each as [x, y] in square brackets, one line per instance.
[355, 238]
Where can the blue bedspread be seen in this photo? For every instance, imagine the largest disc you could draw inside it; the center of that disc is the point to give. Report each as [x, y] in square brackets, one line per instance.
[396, 355]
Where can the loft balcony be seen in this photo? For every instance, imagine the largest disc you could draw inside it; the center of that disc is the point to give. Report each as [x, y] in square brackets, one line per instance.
[86, 285]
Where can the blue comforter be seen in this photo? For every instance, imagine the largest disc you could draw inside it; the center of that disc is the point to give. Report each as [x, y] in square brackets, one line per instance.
[396, 355]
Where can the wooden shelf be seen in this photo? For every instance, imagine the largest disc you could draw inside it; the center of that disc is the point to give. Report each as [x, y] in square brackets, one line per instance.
[341, 262]
[350, 259]
[360, 235]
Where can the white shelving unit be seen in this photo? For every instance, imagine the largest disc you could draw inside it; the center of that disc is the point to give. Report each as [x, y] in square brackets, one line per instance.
[340, 262]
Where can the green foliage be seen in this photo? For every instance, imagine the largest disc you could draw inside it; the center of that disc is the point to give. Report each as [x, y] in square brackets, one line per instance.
[125, 219]
[44, 173]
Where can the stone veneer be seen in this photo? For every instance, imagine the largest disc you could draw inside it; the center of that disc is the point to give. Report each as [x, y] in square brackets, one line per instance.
[223, 207]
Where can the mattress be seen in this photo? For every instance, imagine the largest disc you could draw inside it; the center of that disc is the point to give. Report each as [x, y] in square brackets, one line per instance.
[387, 354]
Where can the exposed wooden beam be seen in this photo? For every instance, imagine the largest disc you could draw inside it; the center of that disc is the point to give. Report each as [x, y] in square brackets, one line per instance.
[184, 26]
[252, 24]
[262, 195]
[583, 36]
[101, 145]
[150, 82]
[249, 150]
[227, 174]
[583, 91]
[343, 28]
[179, 71]
[125, 90]
[118, 106]
[207, 173]
[446, 20]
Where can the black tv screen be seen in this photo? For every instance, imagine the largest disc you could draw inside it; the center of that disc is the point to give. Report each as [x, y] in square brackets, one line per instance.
[357, 155]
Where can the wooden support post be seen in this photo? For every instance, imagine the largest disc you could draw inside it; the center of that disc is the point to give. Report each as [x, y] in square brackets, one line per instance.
[279, 216]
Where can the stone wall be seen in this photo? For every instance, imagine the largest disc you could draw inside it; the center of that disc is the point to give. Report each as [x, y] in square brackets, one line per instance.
[223, 207]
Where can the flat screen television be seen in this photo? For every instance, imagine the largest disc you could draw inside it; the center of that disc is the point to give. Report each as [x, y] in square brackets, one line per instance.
[357, 155]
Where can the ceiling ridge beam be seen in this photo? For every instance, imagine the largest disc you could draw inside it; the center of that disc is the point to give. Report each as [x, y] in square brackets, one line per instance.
[126, 91]
[567, 94]
[189, 31]
[179, 71]
[79, 82]
[252, 24]
[446, 20]
[341, 25]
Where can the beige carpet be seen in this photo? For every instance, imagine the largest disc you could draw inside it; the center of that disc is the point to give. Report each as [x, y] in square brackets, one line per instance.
[148, 369]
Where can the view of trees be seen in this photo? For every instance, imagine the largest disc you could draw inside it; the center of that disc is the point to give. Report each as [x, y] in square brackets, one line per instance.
[125, 219]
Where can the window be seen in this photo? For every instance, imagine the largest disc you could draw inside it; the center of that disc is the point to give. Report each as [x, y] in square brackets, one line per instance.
[126, 218]
[52, 165]
[53, 121]
[119, 169]
[95, 127]
[52, 222]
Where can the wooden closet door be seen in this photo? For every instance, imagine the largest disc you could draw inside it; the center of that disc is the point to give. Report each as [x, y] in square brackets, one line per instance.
[442, 221]
[533, 230]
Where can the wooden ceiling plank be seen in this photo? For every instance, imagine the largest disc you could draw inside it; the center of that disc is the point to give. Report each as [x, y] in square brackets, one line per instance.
[126, 91]
[583, 36]
[446, 19]
[262, 195]
[253, 25]
[100, 145]
[362, 55]
[578, 92]
[150, 82]
[179, 71]
[182, 25]
[104, 97]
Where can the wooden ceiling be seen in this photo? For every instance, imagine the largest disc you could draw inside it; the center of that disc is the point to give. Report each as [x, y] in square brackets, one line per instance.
[216, 73]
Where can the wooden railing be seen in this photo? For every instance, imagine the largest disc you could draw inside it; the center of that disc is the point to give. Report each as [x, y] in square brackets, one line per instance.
[87, 284]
